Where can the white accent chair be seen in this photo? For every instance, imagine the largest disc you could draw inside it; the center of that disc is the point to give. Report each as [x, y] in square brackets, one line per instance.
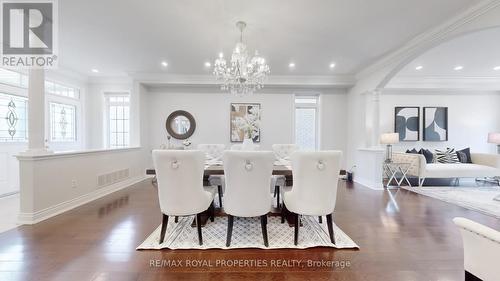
[314, 191]
[481, 250]
[239, 147]
[248, 176]
[180, 186]
[282, 152]
[213, 153]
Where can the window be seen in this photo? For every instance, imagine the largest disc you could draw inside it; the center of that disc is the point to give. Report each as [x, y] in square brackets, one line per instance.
[53, 88]
[306, 122]
[13, 118]
[118, 107]
[62, 122]
[13, 78]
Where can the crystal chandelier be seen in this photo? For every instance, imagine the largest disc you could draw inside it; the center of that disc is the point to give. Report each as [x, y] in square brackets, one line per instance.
[242, 74]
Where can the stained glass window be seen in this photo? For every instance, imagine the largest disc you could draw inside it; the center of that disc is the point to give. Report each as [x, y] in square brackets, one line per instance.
[62, 122]
[13, 118]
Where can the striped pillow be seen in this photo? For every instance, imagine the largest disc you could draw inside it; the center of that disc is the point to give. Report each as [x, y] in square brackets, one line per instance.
[447, 157]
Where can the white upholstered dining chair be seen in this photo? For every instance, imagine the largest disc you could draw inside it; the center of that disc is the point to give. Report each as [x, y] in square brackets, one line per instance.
[248, 176]
[180, 186]
[314, 191]
[481, 250]
[213, 154]
[239, 146]
[282, 152]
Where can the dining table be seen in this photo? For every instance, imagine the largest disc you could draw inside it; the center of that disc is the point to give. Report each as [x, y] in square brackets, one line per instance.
[280, 168]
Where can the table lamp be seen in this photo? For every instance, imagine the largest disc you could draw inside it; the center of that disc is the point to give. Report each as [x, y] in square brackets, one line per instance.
[495, 138]
[389, 139]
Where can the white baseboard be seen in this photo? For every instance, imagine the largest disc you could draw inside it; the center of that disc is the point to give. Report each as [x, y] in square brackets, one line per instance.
[370, 184]
[33, 218]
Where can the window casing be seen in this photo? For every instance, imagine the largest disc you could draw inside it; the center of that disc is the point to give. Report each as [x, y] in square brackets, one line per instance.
[306, 122]
[118, 120]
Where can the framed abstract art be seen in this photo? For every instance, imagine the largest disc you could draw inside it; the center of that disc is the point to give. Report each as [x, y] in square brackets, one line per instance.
[407, 123]
[435, 123]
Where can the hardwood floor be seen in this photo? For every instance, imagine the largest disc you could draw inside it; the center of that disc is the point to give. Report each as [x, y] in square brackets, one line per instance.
[402, 236]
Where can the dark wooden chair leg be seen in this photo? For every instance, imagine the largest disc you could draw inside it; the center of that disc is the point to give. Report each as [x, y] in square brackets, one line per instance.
[278, 196]
[263, 223]
[212, 211]
[297, 225]
[176, 220]
[198, 226]
[320, 219]
[329, 221]
[219, 190]
[230, 220]
[283, 213]
[164, 224]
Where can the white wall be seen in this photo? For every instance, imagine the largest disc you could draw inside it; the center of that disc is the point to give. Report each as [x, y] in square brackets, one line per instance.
[210, 108]
[471, 115]
[55, 183]
[95, 108]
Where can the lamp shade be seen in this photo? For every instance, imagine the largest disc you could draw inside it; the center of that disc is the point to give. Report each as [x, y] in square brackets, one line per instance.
[494, 138]
[389, 138]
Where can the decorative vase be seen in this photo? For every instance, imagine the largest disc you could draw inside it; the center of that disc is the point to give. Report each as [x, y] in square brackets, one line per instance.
[247, 144]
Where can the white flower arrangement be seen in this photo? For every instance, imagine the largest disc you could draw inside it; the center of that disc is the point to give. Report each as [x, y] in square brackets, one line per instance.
[186, 142]
[249, 124]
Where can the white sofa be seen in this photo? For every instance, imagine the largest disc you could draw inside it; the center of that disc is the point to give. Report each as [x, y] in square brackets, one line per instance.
[481, 250]
[483, 165]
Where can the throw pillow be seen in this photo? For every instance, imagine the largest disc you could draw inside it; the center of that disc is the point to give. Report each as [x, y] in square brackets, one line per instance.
[464, 155]
[429, 156]
[413, 151]
[448, 156]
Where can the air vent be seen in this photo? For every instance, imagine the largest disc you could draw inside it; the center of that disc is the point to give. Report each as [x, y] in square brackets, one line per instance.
[113, 177]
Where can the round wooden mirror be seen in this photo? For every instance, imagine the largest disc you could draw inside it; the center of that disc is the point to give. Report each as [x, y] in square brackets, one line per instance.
[180, 124]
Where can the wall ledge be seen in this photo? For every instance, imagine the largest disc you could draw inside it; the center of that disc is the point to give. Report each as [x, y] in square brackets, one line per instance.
[69, 154]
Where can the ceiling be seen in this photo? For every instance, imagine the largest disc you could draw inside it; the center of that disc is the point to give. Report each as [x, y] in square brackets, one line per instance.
[478, 53]
[122, 36]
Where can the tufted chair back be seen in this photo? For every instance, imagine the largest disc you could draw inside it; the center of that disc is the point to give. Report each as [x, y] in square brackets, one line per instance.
[284, 151]
[213, 152]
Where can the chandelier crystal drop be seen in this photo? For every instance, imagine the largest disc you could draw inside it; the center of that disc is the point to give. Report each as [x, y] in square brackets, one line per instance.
[242, 74]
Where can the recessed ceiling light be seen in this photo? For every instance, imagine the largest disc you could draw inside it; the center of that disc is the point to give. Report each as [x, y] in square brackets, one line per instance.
[221, 55]
[458, 67]
[332, 65]
[95, 70]
[164, 63]
[496, 68]
[291, 65]
[419, 67]
[208, 64]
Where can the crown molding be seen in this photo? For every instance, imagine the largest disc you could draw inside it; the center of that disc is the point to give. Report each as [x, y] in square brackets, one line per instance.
[106, 80]
[64, 74]
[332, 81]
[481, 83]
[429, 38]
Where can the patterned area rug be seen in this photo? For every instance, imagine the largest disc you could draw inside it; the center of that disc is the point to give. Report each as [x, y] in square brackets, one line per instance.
[477, 198]
[246, 234]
